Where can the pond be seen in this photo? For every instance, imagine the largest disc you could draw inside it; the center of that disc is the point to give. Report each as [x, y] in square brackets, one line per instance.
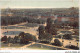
[12, 32]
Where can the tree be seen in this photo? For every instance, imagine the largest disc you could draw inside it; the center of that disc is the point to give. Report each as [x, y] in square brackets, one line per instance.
[75, 24]
[57, 42]
[4, 39]
[67, 36]
[48, 37]
[44, 36]
[26, 37]
[41, 31]
[51, 28]
[16, 39]
[9, 38]
[34, 38]
[22, 34]
[72, 47]
[49, 24]
[22, 40]
[30, 37]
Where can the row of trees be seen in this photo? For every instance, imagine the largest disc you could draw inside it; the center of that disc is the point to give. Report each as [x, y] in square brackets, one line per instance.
[23, 38]
[74, 24]
[10, 39]
[18, 19]
[65, 36]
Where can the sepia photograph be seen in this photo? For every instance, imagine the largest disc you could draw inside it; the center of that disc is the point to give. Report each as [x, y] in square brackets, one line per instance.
[39, 24]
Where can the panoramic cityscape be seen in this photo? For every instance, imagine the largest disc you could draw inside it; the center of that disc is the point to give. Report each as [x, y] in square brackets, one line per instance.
[40, 28]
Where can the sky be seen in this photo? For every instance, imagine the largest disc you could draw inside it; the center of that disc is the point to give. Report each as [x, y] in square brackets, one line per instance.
[38, 3]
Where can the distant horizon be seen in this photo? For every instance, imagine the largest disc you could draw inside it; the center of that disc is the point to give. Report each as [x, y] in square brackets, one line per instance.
[36, 8]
